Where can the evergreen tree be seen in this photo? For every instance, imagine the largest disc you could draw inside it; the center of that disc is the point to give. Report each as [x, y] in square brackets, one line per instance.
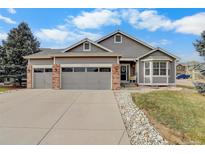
[200, 48]
[200, 45]
[20, 42]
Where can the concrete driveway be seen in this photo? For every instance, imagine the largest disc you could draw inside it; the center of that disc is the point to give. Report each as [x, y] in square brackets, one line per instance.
[60, 117]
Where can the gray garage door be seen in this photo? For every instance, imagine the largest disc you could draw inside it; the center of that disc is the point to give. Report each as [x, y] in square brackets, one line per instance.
[42, 78]
[92, 78]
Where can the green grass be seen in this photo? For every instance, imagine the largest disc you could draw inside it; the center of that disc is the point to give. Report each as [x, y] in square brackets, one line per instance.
[181, 111]
[2, 89]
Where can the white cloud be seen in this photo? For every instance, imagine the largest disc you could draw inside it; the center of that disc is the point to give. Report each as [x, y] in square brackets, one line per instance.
[52, 34]
[194, 24]
[161, 42]
[96, 19]
[152, 21]
[148, 19]
[11, 10]
[7, 20]
[3, 36]
[62, 37]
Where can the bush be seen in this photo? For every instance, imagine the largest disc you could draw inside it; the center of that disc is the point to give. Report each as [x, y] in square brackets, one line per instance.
[200, 87]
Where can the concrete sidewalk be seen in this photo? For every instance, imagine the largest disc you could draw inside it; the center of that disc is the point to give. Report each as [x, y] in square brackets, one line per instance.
[60, 117]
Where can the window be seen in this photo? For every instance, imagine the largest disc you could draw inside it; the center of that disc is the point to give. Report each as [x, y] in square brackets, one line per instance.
[163, 68]
[159, 68]
[92, 69]
[38, 70]
[48, 69]
[79, 69]
[105, 70]
[118, 38]
[67, 69]
[86, 46]
[147, 68]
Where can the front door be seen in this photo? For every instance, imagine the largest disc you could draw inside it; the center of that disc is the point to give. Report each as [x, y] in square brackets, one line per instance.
[124, 72]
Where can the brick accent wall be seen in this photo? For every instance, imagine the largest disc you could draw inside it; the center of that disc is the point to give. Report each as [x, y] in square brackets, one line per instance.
[29, 76]
[115, 76]
[56, 76]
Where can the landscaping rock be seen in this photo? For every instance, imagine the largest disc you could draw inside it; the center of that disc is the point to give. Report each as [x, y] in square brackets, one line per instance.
[139, 130]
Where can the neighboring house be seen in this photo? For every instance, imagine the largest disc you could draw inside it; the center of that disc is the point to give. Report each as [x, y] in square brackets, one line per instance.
[181, 69]
[104, 64]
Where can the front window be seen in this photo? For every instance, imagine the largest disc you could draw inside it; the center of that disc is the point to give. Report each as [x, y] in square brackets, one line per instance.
[159, 68]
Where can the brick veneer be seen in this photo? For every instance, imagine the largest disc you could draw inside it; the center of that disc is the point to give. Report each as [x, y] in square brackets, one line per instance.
[29, 76]
[115, 76]
[56, 76]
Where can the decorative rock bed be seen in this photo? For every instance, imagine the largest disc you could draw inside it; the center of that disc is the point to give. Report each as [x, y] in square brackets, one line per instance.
[139, 130]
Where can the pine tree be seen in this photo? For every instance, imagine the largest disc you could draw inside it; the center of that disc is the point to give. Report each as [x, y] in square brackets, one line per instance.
[200, 48]
[20, 42]
[200, 45]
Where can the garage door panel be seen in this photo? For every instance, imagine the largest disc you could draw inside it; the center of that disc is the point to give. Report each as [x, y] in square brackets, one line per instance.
[42, 80]
[48, 80]
[38, 80]
[86, 80]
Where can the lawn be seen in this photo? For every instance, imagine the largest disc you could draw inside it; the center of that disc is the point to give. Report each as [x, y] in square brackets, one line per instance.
[2, 89]
[181, 112]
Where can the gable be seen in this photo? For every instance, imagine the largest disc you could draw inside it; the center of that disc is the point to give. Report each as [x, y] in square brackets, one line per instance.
[79, 48]
[158, 55]
[129, 48]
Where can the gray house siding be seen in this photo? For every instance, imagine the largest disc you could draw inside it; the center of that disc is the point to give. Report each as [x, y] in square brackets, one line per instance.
[128, 48]
[172, 72]
[41, 61]
[86, 60]
[141, 72]
[94, 48]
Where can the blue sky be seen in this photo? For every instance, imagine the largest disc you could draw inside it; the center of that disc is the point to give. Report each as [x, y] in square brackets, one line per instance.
[172, 29]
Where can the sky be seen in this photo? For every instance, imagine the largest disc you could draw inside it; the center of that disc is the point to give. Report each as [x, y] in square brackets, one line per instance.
[174, 30]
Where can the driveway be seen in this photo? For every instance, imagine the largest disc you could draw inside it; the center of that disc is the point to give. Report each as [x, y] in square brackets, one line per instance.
[60, 117]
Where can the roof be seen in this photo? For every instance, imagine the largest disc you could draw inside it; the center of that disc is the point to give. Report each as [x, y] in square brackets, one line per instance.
[87, 40]
[74, 54]
[49, 53]
[129, 36]
[159, 49]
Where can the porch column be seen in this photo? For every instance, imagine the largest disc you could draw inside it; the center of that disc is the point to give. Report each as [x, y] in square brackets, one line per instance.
[29, 76]
[56, 76]
[116, 76]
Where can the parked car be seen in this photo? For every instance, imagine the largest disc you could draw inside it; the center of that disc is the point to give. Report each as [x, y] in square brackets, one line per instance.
[183, 76]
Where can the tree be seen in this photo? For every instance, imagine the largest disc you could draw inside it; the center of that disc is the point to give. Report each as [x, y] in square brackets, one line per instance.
[20, 42]
[200, 48]
[200, 45]
[2, 62]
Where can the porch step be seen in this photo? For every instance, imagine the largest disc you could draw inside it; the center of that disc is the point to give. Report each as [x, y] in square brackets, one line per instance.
[126, 85]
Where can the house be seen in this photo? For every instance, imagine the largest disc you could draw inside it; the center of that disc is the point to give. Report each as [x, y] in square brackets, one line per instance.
[181, 69]
[103, 64]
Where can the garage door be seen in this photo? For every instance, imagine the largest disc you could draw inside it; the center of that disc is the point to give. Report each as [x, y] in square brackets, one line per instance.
[93, 78]
[42, 78]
